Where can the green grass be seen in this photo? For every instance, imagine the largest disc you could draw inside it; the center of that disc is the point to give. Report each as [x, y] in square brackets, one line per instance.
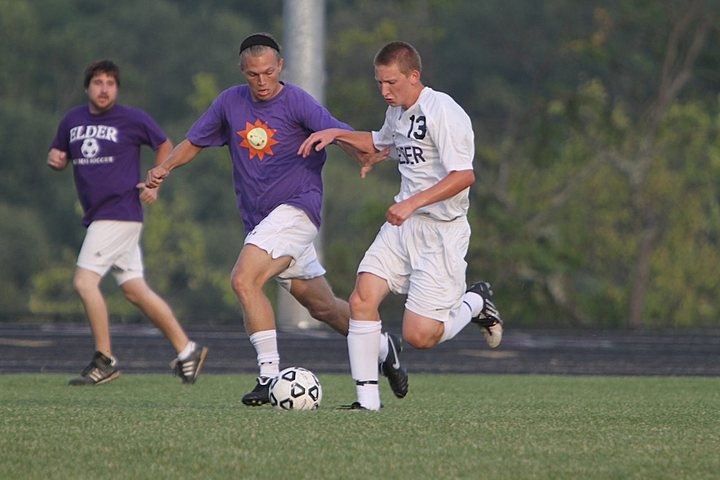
[449, 426]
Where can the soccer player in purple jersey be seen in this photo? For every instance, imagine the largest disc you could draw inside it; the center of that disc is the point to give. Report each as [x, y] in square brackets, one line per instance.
[279, 195]
[420, 250]
[102, 140]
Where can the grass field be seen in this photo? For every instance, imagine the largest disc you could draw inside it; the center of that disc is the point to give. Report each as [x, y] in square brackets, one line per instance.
[450, 426]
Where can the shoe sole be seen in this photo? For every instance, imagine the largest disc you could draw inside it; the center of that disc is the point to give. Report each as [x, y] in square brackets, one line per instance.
[255, 403]
[112, 377]
[493, 338]
[356, 407]
[203, 354]
[398, 392]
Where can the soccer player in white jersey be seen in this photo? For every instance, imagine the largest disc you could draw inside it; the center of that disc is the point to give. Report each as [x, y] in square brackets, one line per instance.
[420, 250]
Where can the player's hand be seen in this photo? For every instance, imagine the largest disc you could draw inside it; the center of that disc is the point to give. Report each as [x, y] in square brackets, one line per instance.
[399, 212]
[155, 176]
[147, 195]
[319, 139]
[368, 160]
[57, 159]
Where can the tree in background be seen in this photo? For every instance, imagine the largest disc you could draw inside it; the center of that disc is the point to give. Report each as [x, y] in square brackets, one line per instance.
[590, 189]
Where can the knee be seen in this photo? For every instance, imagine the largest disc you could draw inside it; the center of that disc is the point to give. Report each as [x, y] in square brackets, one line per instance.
[78, 286]
[136, 291]
[422, 335]
[239, 286]
[83, 285]
[419, 340]
[359, 305]
[132, 296]
[243, 287]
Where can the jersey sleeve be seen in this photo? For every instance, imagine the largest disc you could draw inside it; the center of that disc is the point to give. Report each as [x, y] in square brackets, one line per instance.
[313, 116]
[210, 130]
[62, 137]
[451, 130]
[154, 135]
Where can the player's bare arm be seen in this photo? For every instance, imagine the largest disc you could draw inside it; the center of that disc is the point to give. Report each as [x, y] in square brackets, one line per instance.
[182, 154]
[362, 141]
[149, 195]
[356, 144]
[163, 152]
[57, 159]
[319, 140]
[454, 183]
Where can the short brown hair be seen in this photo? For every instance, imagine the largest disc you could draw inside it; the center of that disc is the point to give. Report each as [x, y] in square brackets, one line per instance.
[403, 54]
[101, 66]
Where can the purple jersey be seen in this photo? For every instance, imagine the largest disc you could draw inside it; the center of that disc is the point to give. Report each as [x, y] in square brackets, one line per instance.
[263, 139]
[105, 153]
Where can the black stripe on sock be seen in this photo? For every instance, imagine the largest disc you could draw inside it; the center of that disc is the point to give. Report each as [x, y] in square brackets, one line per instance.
[468, 305]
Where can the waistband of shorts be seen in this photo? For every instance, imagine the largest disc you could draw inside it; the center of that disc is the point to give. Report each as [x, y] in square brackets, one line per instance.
[426, 217]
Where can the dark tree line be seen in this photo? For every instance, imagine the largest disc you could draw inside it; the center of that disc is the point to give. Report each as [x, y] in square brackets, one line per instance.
[596, 148]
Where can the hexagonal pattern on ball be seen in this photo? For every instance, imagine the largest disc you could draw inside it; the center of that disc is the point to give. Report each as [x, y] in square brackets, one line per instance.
[295, 388]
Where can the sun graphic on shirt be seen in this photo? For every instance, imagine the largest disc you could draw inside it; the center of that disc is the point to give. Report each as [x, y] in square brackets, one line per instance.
[258, 138]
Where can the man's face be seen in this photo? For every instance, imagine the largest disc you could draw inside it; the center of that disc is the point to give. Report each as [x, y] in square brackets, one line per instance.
[398, 89]
[263, 75]
[102, 92]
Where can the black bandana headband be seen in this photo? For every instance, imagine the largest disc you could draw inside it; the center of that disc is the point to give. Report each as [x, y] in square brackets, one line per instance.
[258, 39]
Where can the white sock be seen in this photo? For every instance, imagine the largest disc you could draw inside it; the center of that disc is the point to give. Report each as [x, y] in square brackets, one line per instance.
[384, 348]
[458, 319]
[182, 356]
[268, 357]
[368, 395]
[363, 347]
[475, 302]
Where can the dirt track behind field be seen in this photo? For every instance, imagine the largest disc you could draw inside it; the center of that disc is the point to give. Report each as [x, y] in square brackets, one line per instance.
[141, 348]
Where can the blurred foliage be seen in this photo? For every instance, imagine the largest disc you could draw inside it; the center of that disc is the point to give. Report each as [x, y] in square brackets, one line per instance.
[597, 151]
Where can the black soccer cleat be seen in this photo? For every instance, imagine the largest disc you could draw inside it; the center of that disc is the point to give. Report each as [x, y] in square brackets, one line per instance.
[391, 368]
[101, 369]
[356, 406]
[352, 406]
[260, 395]
[189, 369]
[489, 318]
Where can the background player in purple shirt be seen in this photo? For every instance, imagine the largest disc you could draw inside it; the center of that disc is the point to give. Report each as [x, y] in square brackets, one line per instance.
[102, 140]
[279, 195]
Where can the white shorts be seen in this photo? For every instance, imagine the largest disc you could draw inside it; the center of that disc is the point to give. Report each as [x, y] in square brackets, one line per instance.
[288, 231]
[112, 244]
[425, 259]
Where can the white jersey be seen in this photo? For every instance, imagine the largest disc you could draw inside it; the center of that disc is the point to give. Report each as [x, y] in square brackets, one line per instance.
[430, 139]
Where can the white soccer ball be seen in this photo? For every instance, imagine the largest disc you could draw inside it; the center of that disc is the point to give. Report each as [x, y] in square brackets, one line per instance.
[295, 388]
